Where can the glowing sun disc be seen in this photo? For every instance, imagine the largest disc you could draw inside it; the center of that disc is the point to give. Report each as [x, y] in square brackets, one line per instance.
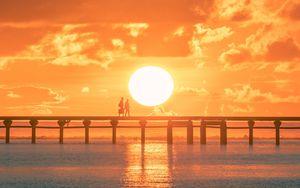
[151, 86]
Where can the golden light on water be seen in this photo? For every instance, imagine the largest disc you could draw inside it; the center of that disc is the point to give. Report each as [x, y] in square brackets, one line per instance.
[149, 165]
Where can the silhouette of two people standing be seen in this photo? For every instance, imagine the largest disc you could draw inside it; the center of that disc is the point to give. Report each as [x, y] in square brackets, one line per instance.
[124, 108]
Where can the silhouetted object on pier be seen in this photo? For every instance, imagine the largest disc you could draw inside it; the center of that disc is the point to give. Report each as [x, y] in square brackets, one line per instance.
[251, 126]
[33, 124]
[190, 132]
[143, 124]
[61, 124]
[277, 124]
[127, 108]
[114, 124]
[223, 133]
[170, 132]
[203, 132]
[7, 123]
[87, 124]
[121, 107]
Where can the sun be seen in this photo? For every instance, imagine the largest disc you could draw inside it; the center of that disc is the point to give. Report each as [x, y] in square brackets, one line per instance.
[151, 86]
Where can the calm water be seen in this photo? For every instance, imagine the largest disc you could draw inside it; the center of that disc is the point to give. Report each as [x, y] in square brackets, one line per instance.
[155, 164]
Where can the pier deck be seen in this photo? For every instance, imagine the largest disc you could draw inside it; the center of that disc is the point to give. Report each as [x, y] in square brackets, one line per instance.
[144, 122]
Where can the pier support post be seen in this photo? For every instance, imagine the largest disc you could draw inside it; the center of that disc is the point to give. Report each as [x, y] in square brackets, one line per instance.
[7, 124]
[277, 124]
[190, 132]
[114, 124]
[169, 133]
[251, 126]
[61, 124]
[203, 132]
[223, 133]
[87, 124]
[143, 125]
[33, 124]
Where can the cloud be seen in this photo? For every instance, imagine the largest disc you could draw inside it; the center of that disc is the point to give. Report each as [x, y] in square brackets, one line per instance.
[192, 91]
[179, 31]
[31, 95]
[203, 35]
[118, 43]
[209, 35]
[160, 111]
[235, 55]
[247, 94]
[295, 12]
[3, 62]
[287, 67]
[238, 109]
[135, 29]
[33, 100]
[248, 12]
[196, 47]
[242, 15]
[236, 10]
[71, 46]
[270, 43]
[292, 11]
[85, 90]
[11, 94]
[203, 9]
[275, 37]
[67, 47]
[283, 50]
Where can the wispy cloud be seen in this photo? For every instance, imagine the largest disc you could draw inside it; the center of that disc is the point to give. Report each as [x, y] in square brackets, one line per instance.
[193, 91]
[135, 29]
[70, 47]
[85, 90]
[209, 35]
[247, 94]
[161, 111]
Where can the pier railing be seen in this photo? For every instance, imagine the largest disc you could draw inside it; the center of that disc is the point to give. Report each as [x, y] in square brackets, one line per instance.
[143, 122]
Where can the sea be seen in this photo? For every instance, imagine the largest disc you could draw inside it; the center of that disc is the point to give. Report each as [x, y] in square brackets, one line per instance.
[153, 164]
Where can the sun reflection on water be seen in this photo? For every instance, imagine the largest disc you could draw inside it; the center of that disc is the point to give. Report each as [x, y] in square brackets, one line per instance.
[148, 165]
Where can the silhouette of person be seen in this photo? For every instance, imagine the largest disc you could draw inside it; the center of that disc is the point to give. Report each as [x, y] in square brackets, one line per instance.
[121, 107]
[127, 112]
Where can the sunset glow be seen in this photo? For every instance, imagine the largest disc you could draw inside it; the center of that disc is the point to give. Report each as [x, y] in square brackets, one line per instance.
[150, 93]
[227, 57]
[151, 86]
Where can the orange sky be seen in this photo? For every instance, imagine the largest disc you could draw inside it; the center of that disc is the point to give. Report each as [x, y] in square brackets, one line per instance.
[75, 57]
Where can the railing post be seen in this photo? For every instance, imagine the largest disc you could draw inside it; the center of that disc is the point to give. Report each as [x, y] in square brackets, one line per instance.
[223, 133]
[33, 124]
[61, 124]
[7, 124]
[190, 132]
[277, 124]
[114, 124]
[87, 124]
[203, 132]
[251, 126]
[169, 133]
[143, 125]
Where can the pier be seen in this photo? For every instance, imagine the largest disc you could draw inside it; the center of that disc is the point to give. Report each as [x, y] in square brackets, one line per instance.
[191, 123]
